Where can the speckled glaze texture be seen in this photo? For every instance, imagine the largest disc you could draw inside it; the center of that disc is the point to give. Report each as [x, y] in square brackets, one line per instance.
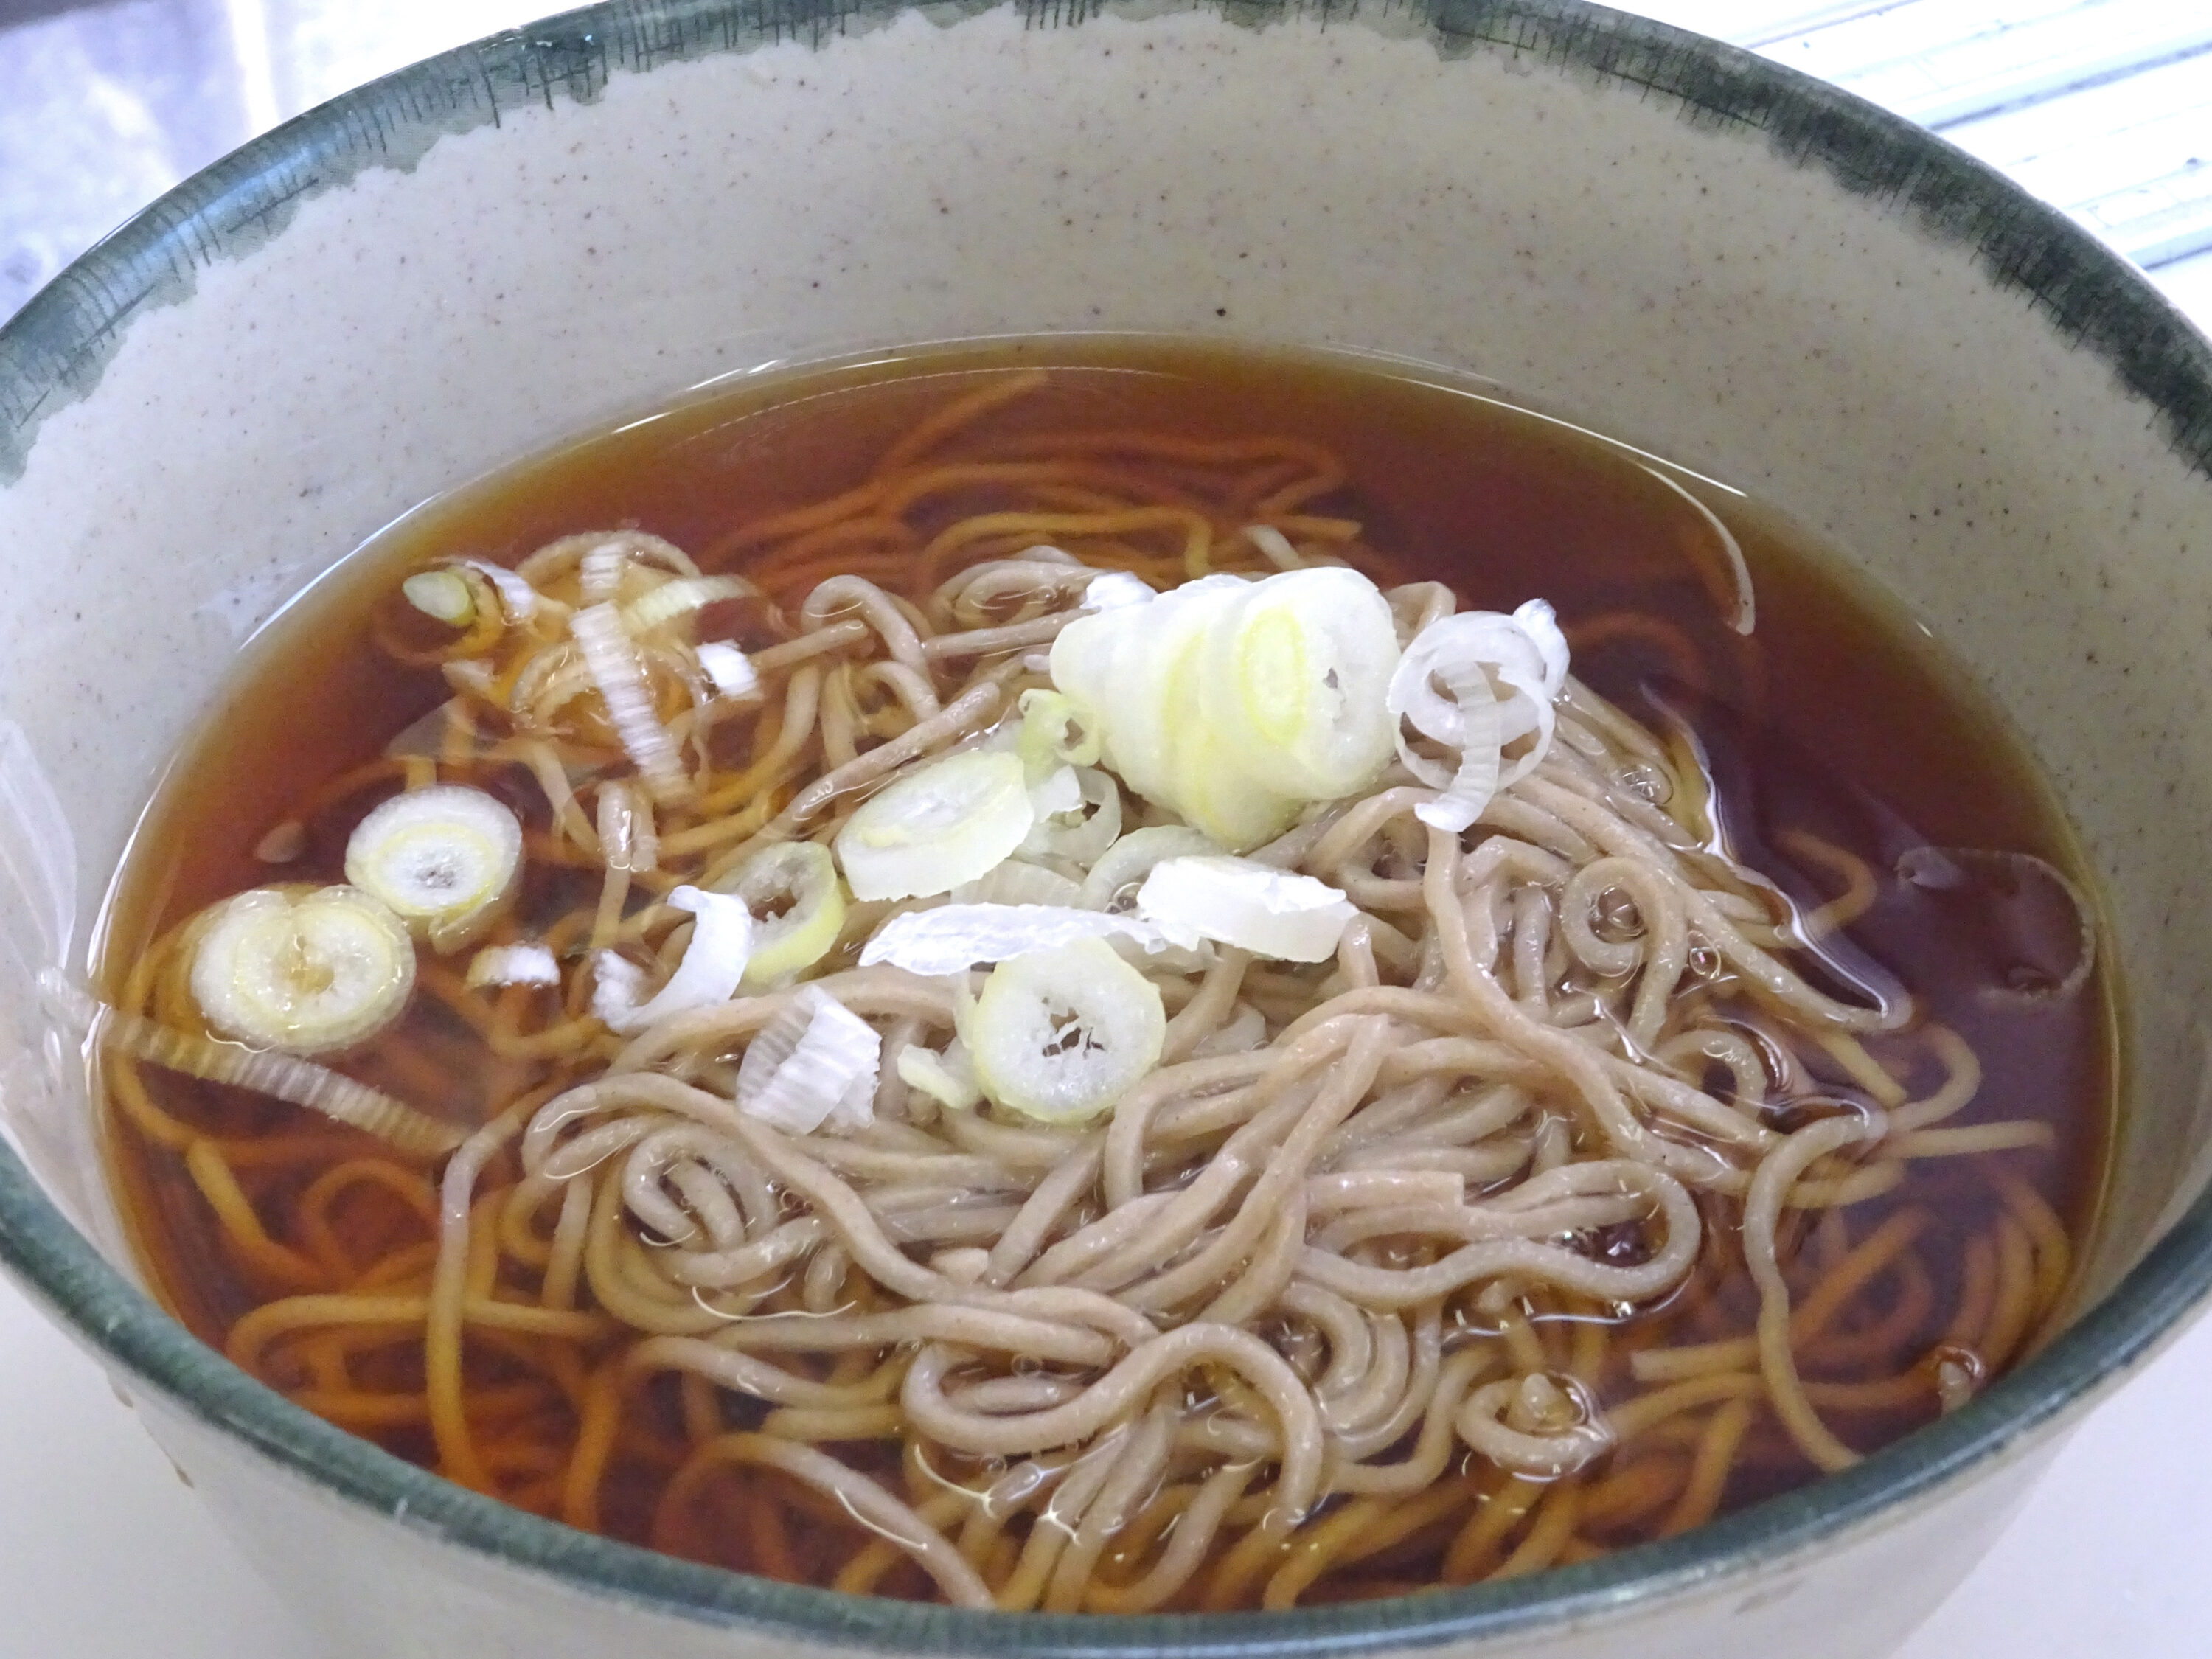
[1677, 244]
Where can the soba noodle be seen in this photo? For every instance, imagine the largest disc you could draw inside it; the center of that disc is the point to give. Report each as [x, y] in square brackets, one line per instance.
[1407, 1267]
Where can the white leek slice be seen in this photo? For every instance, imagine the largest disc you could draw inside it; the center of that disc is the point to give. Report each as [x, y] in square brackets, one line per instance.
[512, 965]
[1152, 703]
[516, 597]
[307, 972]
[1115, 667]
[1052, 734]
[1018, 882]
[444, 592]
[1078, 840]
[1080, 661]
[798, 906]
[1295, 680]
[285, 1077]
[816, 1063]
[470, 674]
[713, 966]
[954, 937]
[610, 656]
[617, 985]
[1061, 1035]
[1115, 589]
[1252, 906]
[1478, 727]
[1220, 797]
[1232, 702]
[1443, 688]
[948, 1078]
[1525, 652]
[599, 573]
[442, 595]
[680, 597]
[444, 859]
[947, 822]
[1059, 791]
[731, 670]
[1536, 619]
[1122, 866]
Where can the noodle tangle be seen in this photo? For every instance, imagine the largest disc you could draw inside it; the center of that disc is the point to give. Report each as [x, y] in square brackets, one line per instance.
[1426, 1263]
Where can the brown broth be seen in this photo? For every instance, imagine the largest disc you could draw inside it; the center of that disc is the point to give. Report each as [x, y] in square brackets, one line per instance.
[1836, 716]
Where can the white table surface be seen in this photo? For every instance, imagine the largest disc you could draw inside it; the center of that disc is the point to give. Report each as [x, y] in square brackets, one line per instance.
[104, 1554]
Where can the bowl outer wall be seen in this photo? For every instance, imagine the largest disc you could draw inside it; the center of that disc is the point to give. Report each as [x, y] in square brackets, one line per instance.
[362, 307]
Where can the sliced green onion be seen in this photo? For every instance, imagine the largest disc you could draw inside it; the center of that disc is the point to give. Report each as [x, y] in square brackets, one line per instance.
[618, 989]
[1478, 730]
[516, 597]
[1124, 865]
[1052, 735]
[599, 573]
[1115, 589]
[1252, 906]
[445, 860]
[948, 1078]
[1232, 702]
[816, 1063]
[1295, 679]
[512, 965]
[731, 670]
[712, 967]
[679, 597]
[1055, 793]
[798, 906]
[282, 1076]
[447, 594]
[955, 936]
[1061, 1035]
[1442, 689]
[1149, 708]
[611, 658]
[1078, 840]
[1218, 796]
[1018, 882]
[471, 674]
[307, 972]
[947, 822]
[442, 595]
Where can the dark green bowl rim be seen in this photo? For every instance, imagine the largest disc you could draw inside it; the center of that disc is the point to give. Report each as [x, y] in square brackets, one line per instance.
[54, 351]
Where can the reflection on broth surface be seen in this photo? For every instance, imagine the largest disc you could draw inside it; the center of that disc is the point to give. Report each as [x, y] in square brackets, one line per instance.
[1174, 1094]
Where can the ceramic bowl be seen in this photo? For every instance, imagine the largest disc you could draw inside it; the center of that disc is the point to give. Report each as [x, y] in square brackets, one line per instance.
[1685, 246]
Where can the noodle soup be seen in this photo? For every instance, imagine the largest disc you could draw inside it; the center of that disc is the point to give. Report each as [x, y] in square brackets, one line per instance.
[805, 983]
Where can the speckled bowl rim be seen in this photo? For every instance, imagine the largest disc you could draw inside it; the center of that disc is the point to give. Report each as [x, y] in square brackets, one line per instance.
[54, 350]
